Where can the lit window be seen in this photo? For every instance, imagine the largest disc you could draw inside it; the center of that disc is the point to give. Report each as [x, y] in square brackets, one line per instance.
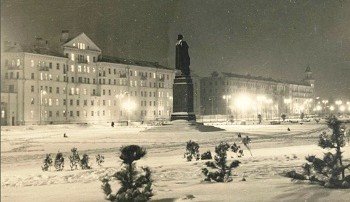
[32, 63]
[77, 91]
[85, 91]
[50, 102]
[154, 75]
[73, 44]
[88, 58]
[72, 68]
[57, 102]
[79, 68]
[41, 76]
[72, 56]
[3, 114]
[18, 62]
[31, 114]
[88, 69]
[72, 91]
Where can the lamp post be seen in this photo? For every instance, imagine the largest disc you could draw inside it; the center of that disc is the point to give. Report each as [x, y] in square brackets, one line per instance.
[42, 92]
[212, 106]
[227, 97]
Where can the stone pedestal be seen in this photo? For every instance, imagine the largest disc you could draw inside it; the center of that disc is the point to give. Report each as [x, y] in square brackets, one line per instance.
[183, 99]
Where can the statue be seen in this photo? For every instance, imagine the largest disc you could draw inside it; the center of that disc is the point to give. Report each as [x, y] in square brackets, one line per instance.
[182, 59]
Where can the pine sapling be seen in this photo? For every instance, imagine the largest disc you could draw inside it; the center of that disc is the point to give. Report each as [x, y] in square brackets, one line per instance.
[328, 171]
[100, 159]
[84, 162]
[192, 151]
[206, 155]
[136, 185]
[74, 159]
[47, 162]
[219, 170]
[59, 161]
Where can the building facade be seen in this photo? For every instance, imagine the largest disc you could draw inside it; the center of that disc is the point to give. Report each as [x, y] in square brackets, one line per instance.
[76, 84]
[246, 96]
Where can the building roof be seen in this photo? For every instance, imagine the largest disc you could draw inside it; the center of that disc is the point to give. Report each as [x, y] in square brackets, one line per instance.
[260, 78]
[112, 59]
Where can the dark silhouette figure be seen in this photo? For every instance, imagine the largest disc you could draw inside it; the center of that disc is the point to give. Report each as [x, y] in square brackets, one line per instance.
[239, 135]
[182, 59]
[64, 135]
[112, 124]
[288, 129]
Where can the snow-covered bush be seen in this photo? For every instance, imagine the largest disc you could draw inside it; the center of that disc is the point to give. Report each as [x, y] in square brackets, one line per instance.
[59, 161]
[84, 162]
[206, 155]
[219, 170]
[100, 159]
[192, 151]
[74, 159]
[135, 185]
[47, 163]
[330, 170]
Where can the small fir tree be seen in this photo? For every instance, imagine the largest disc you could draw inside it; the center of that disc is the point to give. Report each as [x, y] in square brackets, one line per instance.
[328, 171]
[59, 161]
[135, 185]
[259, 118]
[206, 155]
[47, 163]
[283, 117]
[74, 159]
[192, 151]
[84, 162]
[100, 159]
[220, 171]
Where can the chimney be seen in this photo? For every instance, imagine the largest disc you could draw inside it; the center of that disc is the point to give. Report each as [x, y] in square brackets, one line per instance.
[64, 36]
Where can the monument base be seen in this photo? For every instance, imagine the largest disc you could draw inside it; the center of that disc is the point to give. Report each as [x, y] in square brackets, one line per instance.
[183, 99]
[182, 126]
[188, 116]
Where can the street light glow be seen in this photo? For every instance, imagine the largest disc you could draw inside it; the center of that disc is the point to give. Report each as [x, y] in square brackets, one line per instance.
[342, 108]
[331, 108]
[243, 102]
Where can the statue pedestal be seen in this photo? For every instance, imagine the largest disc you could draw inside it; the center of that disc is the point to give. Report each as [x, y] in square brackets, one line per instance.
[183, 99]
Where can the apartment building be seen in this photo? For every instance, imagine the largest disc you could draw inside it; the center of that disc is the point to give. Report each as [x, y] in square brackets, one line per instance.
[75, 83]
[246, 96]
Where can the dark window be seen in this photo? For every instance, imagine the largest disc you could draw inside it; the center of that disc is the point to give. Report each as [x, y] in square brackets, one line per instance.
[32, 89]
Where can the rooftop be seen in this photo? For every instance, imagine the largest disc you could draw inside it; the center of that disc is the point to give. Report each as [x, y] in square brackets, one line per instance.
[112, 59]
[260, 78]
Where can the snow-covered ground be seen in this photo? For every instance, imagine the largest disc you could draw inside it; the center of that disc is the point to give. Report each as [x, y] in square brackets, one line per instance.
[275, 150]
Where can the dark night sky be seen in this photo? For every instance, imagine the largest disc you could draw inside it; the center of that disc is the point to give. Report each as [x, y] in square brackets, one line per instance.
[268, 38]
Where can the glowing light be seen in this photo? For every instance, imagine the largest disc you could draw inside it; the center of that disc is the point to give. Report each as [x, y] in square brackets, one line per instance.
[287, 101]
[342, 108]
[318, 108]
[338, 102]
[331, 108]
[243, 102]
[129, 105]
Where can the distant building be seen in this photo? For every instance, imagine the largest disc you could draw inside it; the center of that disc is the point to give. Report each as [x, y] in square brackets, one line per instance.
[246, 96]
[76, 84]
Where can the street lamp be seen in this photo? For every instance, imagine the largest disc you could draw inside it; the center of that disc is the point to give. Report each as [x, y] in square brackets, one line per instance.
[42, 92]
[227, 97]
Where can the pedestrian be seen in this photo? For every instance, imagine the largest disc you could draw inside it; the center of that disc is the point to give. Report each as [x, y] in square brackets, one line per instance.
[112, 124]
[64, 135]
[288, 129]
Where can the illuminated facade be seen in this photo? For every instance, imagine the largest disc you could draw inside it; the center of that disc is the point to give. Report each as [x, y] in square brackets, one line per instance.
[76, 84]
[246, 96]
